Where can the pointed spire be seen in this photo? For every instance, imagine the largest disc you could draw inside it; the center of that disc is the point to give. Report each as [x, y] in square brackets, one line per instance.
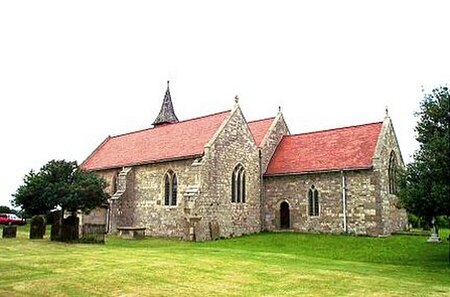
[166, 114]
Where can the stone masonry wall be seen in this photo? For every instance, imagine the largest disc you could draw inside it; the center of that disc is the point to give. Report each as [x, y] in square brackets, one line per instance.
[362, 214]
[99, 215]
[142, 204]
[268, 147]
[233, 145]
[272, 140]
[96, 216]
[393, 218]
[148, 207]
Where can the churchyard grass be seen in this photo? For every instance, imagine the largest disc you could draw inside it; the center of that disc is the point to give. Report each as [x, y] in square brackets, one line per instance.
[266, 264]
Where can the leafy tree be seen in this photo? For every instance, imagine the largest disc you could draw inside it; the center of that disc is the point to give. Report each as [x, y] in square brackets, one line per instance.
[424, 185]
[4, 209]
[60, 183]
[7, 209]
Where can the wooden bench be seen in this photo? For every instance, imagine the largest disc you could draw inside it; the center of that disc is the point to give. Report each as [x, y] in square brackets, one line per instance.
[131, 232]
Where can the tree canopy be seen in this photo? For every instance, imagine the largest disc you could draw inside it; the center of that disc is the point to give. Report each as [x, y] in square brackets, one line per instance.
[60, 183]
[6, 209]
[424, 185]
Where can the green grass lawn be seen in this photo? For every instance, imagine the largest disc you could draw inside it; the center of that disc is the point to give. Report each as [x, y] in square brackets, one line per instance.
[267, 264]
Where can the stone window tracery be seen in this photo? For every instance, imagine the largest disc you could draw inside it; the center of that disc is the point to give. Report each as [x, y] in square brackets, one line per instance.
[170, 188]
[313, 201]
[392, 173]
[238, 184]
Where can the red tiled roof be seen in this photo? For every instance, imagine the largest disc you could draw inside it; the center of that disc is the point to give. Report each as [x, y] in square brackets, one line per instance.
[336, 149]
[167, 142]
[259, 129]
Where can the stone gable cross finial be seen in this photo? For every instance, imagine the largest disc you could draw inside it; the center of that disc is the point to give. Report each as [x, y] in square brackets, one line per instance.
[236, 99]
[387, 111]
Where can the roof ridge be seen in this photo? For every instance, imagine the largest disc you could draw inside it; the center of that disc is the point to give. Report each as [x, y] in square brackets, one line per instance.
[265, 119]
[187, 120]
[334, 129]
[205, 116]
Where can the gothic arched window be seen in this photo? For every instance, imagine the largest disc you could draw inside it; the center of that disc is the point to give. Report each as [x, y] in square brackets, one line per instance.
[313, 201]
[170, 188]
[392, 173]
[238, 184]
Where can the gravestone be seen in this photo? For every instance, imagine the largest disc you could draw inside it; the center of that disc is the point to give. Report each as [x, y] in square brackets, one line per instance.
[9, 231]
[214, 229]
[55, 233]
[37, 227]
[434, 238]
[93, 233]
[70, 231]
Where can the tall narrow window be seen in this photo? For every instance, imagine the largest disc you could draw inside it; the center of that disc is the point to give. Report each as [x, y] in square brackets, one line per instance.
[392, 173]
[313, 201]
[233, 187]
[238, 184]
[243, 186]
[237, 176]
[174, 190]
[170, 188]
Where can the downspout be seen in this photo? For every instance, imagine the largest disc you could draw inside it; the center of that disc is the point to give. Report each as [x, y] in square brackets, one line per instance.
[344, 201]
[108, 217]
[261, 190]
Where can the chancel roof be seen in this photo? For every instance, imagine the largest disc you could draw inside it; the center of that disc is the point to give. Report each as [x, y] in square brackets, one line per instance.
[259, 129]
[329, 150]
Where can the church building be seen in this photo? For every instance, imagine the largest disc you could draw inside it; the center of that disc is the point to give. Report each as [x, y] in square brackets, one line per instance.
[220, 176]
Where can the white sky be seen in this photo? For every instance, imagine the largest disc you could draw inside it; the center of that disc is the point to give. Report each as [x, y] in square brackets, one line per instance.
[74, 72]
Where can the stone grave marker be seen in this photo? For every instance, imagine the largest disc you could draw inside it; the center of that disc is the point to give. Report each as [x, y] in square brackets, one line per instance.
[70, 231]
[37, 227]
[214, 230]
[55, 233]
[9, 231]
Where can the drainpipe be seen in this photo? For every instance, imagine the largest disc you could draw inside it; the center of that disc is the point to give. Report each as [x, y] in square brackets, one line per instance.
[344, 201]
[261, 194]
[108, 217]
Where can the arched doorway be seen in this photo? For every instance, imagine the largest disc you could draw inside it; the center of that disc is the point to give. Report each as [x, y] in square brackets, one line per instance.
[284, 216]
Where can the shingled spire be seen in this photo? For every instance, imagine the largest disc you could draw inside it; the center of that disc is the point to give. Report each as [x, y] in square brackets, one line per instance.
[166, 114]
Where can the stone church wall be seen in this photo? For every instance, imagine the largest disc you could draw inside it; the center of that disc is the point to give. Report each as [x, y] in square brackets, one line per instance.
[269, 145]
[362, 213]
[99, 215]
[233, 145]
[142, 204]
[148, 206]
[273, 139]
[393, 218]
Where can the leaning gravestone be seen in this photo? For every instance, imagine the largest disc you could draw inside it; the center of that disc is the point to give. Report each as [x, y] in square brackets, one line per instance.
[9, 231]
[37, 227]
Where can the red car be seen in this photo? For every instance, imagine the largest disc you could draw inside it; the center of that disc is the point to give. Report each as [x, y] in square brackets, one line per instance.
[11, 219]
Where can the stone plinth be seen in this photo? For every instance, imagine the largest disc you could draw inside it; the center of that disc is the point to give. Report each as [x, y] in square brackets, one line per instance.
[131, 232]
